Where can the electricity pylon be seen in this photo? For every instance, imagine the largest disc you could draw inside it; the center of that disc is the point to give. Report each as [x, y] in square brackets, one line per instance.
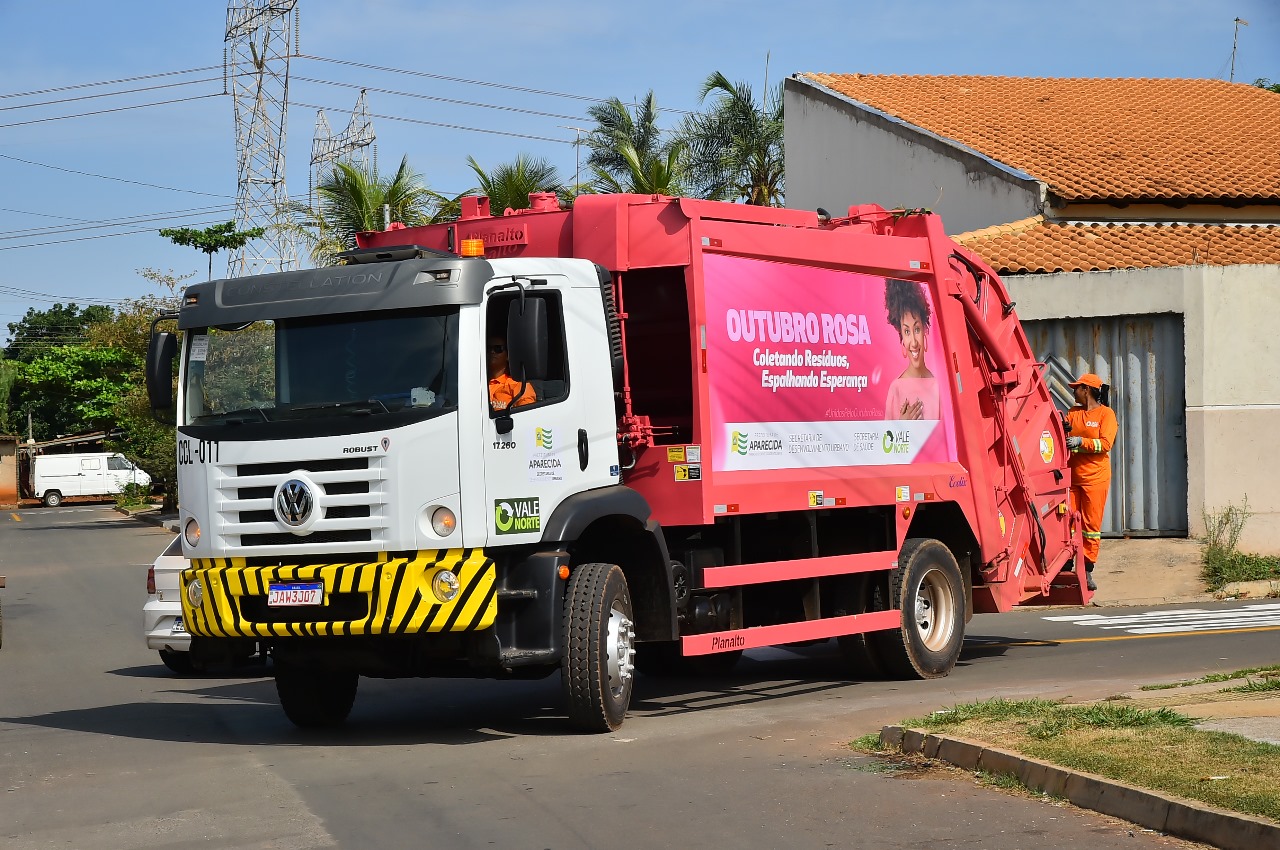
[256, 65]
[352, 144]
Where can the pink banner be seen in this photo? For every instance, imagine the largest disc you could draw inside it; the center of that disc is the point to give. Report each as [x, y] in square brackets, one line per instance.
[815, 367]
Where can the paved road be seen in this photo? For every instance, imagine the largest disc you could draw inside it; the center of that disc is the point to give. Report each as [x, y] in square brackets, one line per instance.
[100, 746]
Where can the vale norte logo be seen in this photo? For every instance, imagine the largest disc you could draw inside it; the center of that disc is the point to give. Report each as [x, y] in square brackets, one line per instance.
[543, 438]
[896, 444]
[517, 516]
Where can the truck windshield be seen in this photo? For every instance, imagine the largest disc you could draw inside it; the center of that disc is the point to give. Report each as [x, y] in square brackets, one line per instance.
[292, 369]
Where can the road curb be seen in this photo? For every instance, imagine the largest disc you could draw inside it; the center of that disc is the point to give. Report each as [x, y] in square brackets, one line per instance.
[1165, 813]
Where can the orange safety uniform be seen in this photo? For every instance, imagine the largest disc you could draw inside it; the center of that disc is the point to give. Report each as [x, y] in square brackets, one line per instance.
[503, 389]
[1091, 469]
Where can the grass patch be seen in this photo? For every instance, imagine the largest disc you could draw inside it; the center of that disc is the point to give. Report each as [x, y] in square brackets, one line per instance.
[1223, 562]
[1155, 748]
[1270, 670]
[1222, 568]
[1257, 686]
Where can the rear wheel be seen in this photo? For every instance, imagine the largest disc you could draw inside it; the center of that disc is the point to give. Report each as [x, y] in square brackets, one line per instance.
[314, 699]
[598, 670]
[860, 594]
[52, 499]
[928, 587]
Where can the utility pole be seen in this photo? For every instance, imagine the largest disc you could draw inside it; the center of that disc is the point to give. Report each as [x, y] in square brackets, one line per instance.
[1234, 40]
[577, 156]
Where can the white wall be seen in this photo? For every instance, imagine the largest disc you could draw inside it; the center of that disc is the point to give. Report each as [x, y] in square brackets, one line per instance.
[839, 154]
[1232, 372]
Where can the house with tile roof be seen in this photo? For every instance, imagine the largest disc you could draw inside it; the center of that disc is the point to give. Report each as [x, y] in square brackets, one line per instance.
[1137, 224]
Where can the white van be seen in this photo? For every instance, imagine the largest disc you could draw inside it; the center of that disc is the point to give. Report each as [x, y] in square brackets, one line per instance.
[57, 477]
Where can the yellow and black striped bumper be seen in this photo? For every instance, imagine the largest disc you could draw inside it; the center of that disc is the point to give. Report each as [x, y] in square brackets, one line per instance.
[379, 598]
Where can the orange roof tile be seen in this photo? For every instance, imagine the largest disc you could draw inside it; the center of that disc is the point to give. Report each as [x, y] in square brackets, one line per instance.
[1092, 139]
[1033, 246]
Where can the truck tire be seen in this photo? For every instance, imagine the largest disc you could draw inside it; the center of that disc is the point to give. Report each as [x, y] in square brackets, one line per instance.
[928, 588]
[178, 662]
[315, 699]
[52, 499]
[598, 669]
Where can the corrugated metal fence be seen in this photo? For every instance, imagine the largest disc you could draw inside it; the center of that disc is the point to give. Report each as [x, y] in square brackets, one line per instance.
[1143, 359]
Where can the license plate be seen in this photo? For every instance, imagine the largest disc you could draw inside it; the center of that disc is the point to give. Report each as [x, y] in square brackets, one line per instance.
[178, 627]
[283, 595]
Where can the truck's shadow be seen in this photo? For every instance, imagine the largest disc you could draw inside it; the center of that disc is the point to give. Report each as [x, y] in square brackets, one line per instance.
[238, 706]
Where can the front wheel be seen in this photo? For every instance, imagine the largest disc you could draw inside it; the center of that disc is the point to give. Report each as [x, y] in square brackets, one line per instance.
[928, 588]
[52, 499]
[314, 699]
[178, 662]
[598, 669]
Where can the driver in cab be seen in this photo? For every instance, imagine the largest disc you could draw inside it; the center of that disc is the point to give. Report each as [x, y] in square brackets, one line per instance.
[502, 387]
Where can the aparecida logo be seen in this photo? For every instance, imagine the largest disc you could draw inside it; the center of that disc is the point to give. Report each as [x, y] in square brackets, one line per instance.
[543, 438]
[740, 442]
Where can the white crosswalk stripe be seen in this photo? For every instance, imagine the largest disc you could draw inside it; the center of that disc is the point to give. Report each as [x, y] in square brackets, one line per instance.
[1182, 621]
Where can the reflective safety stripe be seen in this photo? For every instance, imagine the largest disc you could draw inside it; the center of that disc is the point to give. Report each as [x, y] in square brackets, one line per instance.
[395, 597]
[1093, 535]
[1097, 446]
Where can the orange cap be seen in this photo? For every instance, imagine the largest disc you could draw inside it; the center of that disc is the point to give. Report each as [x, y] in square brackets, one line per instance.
[1088, 380]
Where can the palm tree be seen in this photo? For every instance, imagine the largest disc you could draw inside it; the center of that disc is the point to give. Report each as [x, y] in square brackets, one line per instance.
[508, 186]
[351, 199]
[651, 175]
[735, 149]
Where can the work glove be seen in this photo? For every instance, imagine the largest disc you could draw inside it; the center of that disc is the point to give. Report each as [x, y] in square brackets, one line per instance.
[1074, 443]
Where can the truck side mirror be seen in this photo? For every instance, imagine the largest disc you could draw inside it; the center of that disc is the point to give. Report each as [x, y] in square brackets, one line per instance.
[161, 350]
[527, 346]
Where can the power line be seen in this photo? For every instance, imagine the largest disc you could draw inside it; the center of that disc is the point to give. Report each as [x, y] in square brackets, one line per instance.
[117, 179]
[442, 125]
[437, 99]
[116, 109]
[110, 82]
[98, 236]
[448, 79]
[109, 94]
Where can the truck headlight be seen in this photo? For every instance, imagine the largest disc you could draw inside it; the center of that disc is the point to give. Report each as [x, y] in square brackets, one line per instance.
[195, 593]
[445, 585]
[191, 533]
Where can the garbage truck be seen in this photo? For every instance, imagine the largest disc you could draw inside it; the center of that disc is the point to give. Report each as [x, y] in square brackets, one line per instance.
[724, 427]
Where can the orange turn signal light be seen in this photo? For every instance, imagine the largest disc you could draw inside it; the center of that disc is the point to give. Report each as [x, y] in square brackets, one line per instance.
[472, 248]
[563, 572]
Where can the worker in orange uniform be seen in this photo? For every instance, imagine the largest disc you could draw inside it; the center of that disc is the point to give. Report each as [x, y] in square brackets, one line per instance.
[1091, 427]
[502, 387]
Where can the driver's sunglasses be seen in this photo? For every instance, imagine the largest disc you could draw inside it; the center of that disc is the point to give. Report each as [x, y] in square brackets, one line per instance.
[497, 349]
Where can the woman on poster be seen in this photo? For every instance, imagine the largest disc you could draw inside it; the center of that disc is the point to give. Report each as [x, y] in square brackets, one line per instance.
[914, 393]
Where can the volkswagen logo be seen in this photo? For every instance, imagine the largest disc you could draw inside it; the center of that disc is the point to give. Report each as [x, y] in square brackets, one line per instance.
[294, 502]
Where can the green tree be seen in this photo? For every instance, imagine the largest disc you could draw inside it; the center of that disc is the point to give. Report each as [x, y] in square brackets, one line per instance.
[509, 185]
[219, 237]
[655, 175]
[351, 199]
[72, 388]
[136, 433]
[735, 148]
[628, 153]
[40, 330]
[1265, 83]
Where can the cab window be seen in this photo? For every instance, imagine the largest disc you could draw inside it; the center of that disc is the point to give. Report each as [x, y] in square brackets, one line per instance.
[505, 391]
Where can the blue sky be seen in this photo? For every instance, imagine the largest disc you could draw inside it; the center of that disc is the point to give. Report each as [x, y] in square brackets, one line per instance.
[66, 183]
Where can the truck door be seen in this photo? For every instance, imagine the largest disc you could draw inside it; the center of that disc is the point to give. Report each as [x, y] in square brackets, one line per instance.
[555, 446]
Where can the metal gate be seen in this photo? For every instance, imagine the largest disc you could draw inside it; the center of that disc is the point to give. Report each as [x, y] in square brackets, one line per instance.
[1143, 359]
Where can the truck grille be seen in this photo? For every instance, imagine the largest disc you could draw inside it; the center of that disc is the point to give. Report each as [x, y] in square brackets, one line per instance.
[351, 501]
